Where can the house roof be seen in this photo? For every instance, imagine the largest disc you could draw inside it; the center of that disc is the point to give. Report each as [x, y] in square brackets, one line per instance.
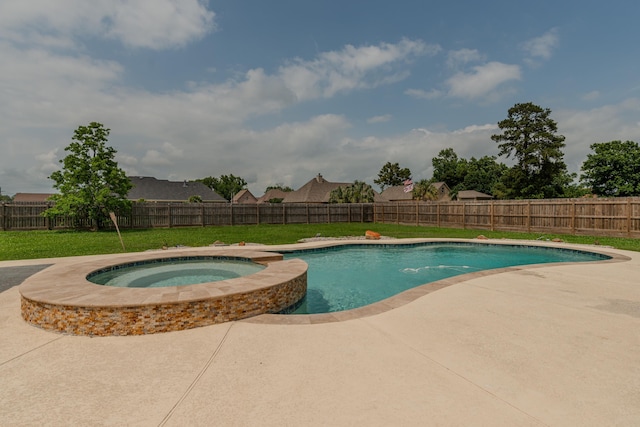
[151, 189]
[274, 193]
[31, 197]
[244, 196]
[473, 195]
[317, 190]
[396, 193]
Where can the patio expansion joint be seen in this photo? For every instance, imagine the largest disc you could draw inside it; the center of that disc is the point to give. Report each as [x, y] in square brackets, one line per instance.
[31, 351]
[430, 359]
[198, 376]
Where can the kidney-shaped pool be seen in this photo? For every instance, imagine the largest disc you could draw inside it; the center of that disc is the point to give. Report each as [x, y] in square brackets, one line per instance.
[352, 276]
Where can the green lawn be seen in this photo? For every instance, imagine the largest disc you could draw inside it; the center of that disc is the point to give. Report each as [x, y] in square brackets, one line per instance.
[45, 244]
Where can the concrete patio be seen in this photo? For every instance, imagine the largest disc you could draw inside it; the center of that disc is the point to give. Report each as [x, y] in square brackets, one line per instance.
[544, 346]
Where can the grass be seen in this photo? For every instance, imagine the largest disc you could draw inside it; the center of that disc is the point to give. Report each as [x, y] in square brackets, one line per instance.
[16, 245]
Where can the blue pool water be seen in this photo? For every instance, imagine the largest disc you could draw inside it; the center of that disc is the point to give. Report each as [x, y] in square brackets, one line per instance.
[173, 272]
[343, 278]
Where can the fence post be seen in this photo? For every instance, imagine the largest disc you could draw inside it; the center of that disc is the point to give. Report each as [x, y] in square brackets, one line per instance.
[257, 213]
[573, 217]
[464, 216]
[231, 212]
[438, 213]
[491, 203]
[528, 216]
[284, 214]
[328, 213]
[397, 212]
[628, 217]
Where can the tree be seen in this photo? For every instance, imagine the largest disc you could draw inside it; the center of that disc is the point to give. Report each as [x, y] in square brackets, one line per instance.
[613, 169]
[424, 190]
[391, 175]
[529, 134]
[90, 182]
[483, 174]
[280, 187]
[358, 192]
[226, 186]
[448, 168]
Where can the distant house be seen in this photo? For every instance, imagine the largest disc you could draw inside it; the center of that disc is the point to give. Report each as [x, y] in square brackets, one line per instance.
[472, 195]
[315, 191]
[31, 197]
[397, 194]
[274, 194]
[151, 189]
[244, 197]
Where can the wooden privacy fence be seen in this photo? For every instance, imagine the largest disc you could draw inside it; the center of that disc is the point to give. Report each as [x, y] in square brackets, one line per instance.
[28, 216]
[618, 217]
[604, 217]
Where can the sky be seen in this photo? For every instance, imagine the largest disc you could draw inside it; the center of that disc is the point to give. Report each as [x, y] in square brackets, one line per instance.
[278, 91]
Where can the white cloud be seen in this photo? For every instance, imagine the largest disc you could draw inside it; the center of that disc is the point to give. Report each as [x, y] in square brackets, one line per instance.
[423, 94]
[606, 123]
[459, 57]
[591, 96]
[153, 24]
[165, 156]
[379, 119]
[483, 80]
[542, 47]
[352, 68]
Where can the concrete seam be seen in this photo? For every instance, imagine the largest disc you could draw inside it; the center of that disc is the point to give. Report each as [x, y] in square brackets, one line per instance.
[197, 378]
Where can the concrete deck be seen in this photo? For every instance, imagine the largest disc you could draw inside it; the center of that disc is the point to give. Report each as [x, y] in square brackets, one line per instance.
[551, 345]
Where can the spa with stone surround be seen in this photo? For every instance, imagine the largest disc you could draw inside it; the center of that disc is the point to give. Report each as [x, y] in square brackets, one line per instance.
[61, 299]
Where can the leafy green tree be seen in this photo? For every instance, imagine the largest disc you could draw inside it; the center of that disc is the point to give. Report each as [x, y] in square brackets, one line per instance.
[613, 169]
[391, 175]
[424, 190]
[280, 187]
[195, 199]
[483, 174]
[358, 192]
[90, 183]
[449, 168]
[226, 186]
[530, 136]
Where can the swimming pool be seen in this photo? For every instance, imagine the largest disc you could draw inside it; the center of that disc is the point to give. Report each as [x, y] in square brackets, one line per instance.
[347, 277]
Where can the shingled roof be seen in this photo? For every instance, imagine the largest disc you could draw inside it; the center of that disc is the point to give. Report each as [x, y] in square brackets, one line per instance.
[473, 195]
[274, 193]
[396, 193]
[317, 190]
[31, 197]
[159, 190]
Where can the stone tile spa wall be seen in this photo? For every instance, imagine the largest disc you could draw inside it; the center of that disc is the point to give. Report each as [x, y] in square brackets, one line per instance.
[281, 285]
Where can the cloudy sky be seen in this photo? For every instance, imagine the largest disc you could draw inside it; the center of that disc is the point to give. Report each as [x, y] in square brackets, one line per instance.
[278, 91]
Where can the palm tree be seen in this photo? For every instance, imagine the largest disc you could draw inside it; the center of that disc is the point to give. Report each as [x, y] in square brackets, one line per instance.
[358, 192]
[424, 190]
